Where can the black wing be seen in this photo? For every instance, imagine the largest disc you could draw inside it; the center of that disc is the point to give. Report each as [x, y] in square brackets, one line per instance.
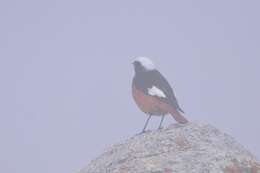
[161, 83]
[144, 81]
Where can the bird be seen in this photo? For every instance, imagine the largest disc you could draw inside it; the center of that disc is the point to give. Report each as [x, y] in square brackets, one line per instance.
[153, 94]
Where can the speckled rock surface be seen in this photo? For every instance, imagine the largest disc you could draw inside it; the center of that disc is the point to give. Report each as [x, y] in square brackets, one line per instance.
[190, 148]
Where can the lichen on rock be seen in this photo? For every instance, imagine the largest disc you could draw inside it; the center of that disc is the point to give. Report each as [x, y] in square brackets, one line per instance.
[193, 148]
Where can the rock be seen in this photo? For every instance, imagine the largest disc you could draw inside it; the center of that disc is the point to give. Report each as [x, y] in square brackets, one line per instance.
[190, 148]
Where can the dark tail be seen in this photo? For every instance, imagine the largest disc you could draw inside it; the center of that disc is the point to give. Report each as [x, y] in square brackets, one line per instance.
[178, 116]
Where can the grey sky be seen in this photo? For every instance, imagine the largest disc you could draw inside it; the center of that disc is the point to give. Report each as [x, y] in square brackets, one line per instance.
[66, 76]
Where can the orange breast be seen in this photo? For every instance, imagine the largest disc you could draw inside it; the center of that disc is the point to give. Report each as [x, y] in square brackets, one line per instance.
[149, 104]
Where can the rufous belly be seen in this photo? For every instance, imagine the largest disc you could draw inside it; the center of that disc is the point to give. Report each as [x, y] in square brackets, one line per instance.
[149, 104]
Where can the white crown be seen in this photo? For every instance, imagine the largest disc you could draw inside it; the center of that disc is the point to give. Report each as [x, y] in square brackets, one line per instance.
[146, 63]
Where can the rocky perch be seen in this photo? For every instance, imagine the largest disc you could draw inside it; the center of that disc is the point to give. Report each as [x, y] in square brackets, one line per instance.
[190, 148]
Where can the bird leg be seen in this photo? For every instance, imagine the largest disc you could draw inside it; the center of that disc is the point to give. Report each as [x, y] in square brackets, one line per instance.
[146, 123]
[160, 126]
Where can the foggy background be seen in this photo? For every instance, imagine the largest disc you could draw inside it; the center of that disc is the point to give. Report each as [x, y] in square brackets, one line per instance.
[66, 73]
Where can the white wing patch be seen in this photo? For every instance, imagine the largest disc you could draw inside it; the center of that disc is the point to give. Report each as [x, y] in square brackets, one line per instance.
[154, 91]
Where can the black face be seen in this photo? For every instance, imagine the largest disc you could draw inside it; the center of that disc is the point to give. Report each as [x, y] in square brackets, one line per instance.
[138, 67]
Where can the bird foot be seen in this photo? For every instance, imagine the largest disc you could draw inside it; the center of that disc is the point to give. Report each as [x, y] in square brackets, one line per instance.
[160, 128]
[142, 132]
